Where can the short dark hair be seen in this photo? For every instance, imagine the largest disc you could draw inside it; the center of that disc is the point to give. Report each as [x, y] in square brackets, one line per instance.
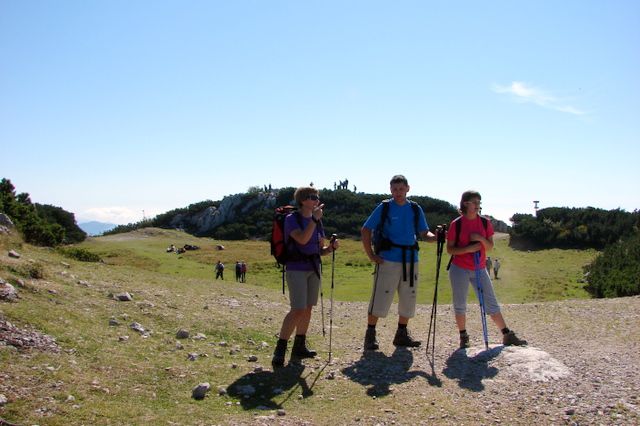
[466, 196]
[399, 179]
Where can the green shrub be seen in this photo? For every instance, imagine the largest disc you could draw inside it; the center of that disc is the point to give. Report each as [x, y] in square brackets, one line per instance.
[576, 228]
[616, 272]
[33, 270]
[80, 254]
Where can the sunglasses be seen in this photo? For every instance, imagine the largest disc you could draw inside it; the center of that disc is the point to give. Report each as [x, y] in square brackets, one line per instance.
[313, 197]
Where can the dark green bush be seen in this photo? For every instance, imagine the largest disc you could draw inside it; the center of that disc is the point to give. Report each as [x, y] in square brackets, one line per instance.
[616, 271]
[575, 228]
[80, 254]
[42, 225]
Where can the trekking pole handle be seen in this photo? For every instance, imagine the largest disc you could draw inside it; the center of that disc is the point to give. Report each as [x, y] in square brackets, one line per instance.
[441, 231]
[334, 237]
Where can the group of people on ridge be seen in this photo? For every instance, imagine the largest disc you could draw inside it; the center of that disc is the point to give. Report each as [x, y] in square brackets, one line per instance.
[396, 266]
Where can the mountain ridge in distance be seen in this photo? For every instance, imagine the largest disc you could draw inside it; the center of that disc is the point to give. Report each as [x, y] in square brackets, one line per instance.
[94, 228]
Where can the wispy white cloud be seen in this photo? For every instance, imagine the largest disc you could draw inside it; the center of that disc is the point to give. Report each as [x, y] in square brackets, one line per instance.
[525, 93]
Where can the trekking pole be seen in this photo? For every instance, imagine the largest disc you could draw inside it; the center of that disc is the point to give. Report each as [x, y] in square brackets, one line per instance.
[333, 270]
[476, 260]
[441, 231]
[322, 309]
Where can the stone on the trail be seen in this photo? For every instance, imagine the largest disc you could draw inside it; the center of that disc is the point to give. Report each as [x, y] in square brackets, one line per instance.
[137, 327]
[534, 364]
[200, 391]
[123, 297]
[8, 292]
[182, 334]
[14, 254]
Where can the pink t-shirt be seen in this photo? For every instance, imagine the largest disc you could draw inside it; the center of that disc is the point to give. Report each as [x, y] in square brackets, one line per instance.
[467, 228]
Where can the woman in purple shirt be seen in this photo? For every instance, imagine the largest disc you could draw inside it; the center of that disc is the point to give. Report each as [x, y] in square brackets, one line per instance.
[305, 238]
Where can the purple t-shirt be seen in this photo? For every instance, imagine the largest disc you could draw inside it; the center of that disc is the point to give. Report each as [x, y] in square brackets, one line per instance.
[312, 246]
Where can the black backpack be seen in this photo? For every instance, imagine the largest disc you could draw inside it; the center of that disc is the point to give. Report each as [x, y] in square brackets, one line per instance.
[458, 224]
[381, 243]
[378, 240]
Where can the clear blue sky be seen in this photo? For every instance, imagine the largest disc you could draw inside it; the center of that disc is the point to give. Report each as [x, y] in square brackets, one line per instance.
[112, 108]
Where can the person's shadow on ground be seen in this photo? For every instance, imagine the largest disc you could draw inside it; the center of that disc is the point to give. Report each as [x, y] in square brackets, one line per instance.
[379, 371]
[470, 371]
[261, 389]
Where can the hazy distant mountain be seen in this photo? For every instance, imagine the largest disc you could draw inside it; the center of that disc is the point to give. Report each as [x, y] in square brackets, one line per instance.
[96, 228]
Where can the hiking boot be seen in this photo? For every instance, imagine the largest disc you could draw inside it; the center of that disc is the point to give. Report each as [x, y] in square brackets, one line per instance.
[510, 339]
[279, 353]
[403, 338]
[300, 349]
[464, 341]
[370, 342]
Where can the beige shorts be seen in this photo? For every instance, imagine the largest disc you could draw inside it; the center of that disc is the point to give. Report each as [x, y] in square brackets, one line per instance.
[386, 281]
[303, 288]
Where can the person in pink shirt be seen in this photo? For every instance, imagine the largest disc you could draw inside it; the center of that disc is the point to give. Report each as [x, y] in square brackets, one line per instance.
[476, 234]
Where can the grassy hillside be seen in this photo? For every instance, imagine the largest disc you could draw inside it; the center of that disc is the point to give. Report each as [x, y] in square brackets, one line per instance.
[110, 374]
[524, 277]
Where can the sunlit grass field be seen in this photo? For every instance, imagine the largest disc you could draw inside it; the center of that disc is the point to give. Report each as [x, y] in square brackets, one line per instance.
[99, 378]
[534, 276]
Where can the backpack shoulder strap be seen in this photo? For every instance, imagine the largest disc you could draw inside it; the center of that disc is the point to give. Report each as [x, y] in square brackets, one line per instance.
[416, 215]
[458, 223]
[383, 215]
[385, 211]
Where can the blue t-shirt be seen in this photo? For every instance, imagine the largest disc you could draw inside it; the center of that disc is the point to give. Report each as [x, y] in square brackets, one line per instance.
[312, 246]
[399, 228]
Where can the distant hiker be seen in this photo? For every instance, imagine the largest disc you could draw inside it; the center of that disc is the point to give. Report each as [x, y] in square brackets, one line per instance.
[243, 271]
[304, 232]
[238, 271]
[489, 264]
[496, 267]
[393, 227]
[219, 270]
[473, 236]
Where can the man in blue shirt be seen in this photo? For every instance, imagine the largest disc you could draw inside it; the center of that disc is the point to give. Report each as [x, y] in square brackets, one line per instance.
[397, 253]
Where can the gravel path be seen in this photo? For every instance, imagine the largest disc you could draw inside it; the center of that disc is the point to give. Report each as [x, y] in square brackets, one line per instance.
[581, 366]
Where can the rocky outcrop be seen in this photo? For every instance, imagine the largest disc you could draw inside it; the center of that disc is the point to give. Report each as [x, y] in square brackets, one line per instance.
[231, 207]
[6, 225]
